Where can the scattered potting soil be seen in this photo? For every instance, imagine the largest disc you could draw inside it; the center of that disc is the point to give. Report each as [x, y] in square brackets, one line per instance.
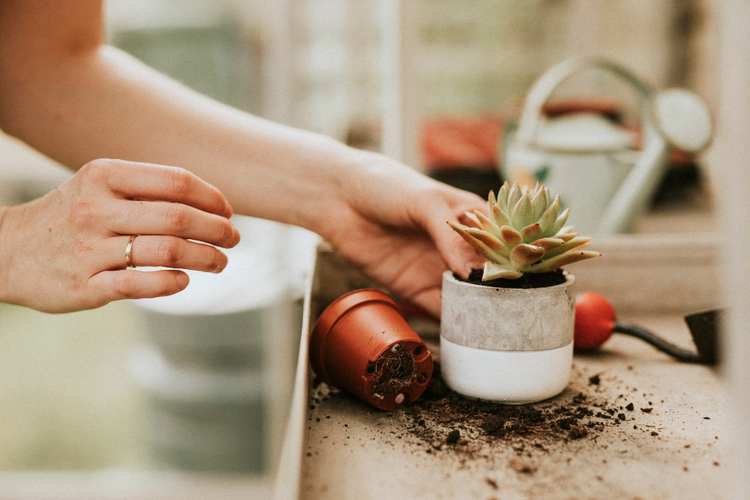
[443, 419]
[528, 280]
[393, 371]
[535, 440]
[597, 425]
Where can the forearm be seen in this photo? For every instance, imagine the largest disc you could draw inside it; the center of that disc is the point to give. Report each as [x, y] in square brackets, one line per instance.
[103, 103]
[76, 100]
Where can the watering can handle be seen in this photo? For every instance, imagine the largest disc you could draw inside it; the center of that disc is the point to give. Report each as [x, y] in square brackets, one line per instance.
[636, 191]
[544, 86]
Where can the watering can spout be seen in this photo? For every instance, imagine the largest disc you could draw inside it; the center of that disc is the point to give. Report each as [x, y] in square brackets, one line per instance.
[592, 162]
[637, 189]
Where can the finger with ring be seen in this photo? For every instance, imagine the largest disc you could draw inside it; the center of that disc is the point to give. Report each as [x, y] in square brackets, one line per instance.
[165, 251]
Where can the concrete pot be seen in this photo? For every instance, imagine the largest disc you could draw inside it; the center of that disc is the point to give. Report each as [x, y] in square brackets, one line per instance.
[508, 345]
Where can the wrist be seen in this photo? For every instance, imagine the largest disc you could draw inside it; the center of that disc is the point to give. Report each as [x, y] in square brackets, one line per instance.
[5, 251]
[322, 191]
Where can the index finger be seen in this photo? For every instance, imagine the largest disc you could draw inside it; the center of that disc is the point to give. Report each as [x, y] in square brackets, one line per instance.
[148, 181]
[456, 253]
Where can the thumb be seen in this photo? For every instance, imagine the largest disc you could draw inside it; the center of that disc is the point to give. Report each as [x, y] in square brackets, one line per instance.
[460, 257]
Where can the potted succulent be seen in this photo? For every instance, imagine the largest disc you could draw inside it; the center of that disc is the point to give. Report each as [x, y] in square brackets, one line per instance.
[507, 332]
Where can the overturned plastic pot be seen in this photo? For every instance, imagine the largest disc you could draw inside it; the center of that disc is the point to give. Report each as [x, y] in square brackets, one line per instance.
[363, 345]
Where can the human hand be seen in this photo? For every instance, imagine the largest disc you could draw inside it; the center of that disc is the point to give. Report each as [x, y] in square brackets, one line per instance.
[392, 225]
[66, 250]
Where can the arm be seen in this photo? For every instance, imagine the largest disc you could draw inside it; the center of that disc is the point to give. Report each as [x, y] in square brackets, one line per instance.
[66, 94]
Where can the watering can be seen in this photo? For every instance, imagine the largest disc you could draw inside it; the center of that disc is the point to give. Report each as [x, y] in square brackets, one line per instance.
[592, 162]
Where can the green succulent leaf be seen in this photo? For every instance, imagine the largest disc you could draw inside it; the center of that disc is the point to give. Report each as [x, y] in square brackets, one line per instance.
[568, 246]
[548, 218]
[562, 260]
[514, 195]
[566, 236]
[525, 255]
[478, 245]
[510, 236]
[475, 222]
[522, 214]
[531, 232]
[502, 196]
[499, 217]
[560, 222]
[548, 244]
[538, 203]
[491, 200]
[486, 223]
[493, 271]
[492, 241]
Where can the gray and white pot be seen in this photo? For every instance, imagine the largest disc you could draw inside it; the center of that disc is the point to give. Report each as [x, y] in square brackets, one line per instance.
[508, 345]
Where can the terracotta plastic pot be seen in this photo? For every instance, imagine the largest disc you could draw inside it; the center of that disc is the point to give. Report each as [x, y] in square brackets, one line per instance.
[363, 345]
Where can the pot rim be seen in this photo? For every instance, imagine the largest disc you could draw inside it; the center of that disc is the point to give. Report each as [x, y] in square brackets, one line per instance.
[337, 310]
[507, 319]
[570, 279]
[348, 301]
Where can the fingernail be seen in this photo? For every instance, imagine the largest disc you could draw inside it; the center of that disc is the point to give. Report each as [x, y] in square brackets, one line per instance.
[183, 280]
[232, 236]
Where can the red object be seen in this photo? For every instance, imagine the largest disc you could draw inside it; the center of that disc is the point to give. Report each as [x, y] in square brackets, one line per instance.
[469, 141]
[603, 106]
[594, 322]
[353, 342]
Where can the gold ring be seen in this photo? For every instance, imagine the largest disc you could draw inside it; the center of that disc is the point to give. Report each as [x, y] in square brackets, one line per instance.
[129, 253]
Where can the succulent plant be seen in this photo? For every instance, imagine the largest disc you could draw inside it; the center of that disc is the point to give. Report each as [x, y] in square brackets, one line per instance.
[525, 232]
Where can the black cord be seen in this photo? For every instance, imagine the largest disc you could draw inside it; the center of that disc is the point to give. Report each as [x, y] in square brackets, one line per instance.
[676, 352]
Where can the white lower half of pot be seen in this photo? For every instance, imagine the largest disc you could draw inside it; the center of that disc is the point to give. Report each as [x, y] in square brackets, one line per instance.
[510, 377]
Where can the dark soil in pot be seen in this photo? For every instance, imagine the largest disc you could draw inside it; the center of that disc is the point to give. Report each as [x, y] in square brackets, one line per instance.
[393, 371]
[528, 280]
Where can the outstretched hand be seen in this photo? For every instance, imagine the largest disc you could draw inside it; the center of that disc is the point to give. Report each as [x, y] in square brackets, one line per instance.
[392, 225]
[66, 250]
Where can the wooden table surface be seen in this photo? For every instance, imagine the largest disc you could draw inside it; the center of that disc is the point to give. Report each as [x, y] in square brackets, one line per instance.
[672, 444]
